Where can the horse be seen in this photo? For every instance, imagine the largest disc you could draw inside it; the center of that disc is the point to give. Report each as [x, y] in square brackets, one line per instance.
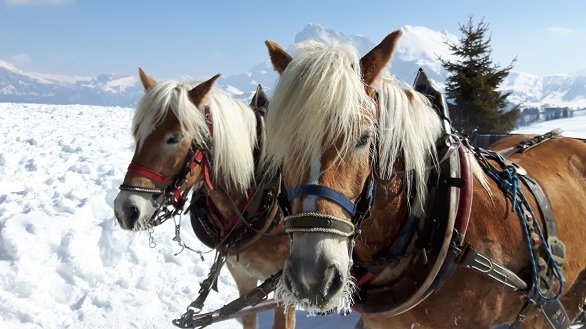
[373, 177]
[192, 136]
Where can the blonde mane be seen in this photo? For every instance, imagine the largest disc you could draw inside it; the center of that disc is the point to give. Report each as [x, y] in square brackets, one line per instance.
[320, 98]
[233, 122]
[317, 100]
[409, 129]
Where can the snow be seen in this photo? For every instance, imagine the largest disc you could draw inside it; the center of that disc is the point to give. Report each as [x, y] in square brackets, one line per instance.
[423, 45]
[233, 90]
[65, 262]
[8, 66]
[60, 78]
[571, 127]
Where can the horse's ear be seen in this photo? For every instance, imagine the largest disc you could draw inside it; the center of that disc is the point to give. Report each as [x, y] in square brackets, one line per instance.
[373, 63]
[147, 80]
[197, 94]
[260, 98]
[279, 56]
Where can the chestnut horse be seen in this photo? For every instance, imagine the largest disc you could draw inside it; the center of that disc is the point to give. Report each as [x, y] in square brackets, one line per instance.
[189, 134]
[357, 151]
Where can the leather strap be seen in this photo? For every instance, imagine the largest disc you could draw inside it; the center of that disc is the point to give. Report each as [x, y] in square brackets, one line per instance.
[191, 319]
[314, 222]
[148, 173]
[323, 192]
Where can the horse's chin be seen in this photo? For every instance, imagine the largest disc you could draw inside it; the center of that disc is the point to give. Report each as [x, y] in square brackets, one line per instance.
[143, 224]
[340, 303]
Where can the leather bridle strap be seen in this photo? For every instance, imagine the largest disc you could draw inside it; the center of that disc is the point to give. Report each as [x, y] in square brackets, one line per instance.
[323, 192]
[149, 173]
[316, 223]
[201, 158]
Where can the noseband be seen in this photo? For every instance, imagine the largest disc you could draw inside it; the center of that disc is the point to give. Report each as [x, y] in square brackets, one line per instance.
[173, 197]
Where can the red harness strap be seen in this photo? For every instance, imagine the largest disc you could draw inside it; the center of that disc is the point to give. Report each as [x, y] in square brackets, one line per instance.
[148, 173]
[201, 158]
[227, 226]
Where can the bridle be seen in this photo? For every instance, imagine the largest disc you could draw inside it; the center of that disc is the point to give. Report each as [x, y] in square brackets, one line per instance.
[359, 211]
[174, 198]
[310, 222]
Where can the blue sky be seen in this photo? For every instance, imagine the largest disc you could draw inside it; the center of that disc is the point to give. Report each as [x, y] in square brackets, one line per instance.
[178, 38]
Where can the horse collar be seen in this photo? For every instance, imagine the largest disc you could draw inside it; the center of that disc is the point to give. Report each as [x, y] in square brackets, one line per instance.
[430, 247]
[250, 221]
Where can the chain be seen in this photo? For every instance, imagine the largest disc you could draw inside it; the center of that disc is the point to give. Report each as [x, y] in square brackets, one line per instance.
[151, 232]
[182, 244]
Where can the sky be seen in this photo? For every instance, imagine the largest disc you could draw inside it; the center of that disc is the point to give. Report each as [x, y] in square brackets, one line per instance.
[197, 39]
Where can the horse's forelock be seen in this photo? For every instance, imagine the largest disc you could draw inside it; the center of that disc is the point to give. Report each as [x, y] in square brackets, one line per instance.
[155, 104]
[234, 127]
[319, 99]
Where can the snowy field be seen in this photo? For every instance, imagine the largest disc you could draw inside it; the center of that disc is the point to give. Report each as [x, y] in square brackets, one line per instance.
[64, 261]
[571, 127]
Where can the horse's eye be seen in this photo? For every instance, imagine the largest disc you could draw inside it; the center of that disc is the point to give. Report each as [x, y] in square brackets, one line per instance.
[174, 139]
[363, 140]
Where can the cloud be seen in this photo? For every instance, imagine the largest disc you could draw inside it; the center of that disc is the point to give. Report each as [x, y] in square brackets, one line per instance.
[20, 58]
[38, 2]
[560, 30]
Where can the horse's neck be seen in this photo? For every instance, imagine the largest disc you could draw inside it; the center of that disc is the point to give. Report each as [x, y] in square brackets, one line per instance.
[225, 200]
[387, 217]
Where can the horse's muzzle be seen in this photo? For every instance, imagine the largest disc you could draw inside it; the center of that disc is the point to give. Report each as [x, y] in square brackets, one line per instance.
[316, 284]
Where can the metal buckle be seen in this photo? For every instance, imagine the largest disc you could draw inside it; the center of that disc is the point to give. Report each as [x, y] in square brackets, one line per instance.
[256, 296]
[557, 249]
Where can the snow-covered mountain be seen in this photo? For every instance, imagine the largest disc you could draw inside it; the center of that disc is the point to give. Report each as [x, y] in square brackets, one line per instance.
[530, 90]
[26, 87]
[419, 47]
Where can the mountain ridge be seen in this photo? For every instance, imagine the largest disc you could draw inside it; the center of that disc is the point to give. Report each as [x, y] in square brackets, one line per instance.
[419, 47]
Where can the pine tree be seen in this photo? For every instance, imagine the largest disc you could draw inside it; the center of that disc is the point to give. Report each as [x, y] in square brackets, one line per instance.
[476, 104]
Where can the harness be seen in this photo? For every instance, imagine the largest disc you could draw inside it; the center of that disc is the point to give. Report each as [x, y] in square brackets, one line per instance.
[251, 220]
[436, 244]
[314, 222]
[255, 217]
[427, 251]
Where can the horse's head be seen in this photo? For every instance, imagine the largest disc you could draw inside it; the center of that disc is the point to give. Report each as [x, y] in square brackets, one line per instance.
[172, 137]
[321, 129]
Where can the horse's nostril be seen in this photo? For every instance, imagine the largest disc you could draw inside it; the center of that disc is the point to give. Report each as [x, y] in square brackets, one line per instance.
[134, 215]
[333, 282]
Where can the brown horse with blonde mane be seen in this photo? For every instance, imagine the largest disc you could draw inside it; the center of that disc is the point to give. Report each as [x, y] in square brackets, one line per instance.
[380, 191]
[191, 135]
